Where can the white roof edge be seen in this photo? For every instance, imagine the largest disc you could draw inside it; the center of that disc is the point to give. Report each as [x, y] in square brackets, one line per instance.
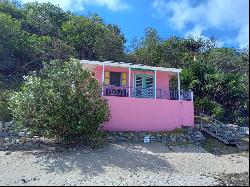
[127, 65]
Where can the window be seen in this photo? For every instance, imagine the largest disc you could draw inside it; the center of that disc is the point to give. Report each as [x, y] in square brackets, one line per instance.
[115, 78]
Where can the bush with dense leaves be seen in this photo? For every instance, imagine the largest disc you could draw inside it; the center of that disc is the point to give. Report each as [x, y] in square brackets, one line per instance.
[61, 101]
[5, 112]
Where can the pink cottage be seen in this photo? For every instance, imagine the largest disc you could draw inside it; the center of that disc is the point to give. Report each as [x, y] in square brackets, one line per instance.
[140, 98]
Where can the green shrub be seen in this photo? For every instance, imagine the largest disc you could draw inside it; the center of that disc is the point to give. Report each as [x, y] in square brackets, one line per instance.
[61, 101]
[5, 112]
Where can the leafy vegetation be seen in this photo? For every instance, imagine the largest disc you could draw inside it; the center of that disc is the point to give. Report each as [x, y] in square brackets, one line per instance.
[219, 77]
[5, 112]
[32, 33]
[63, 101]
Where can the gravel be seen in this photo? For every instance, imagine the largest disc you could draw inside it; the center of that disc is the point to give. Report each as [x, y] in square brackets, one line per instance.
[119, 164]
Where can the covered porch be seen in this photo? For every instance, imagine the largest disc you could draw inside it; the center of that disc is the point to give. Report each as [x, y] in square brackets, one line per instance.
[137, 80]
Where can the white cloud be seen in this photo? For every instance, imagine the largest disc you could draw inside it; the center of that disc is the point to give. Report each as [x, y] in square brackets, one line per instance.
[114, 5]
[195, 31]
[221, 15]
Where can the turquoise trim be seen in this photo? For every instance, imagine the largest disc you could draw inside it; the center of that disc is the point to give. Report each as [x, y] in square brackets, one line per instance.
[144, 85]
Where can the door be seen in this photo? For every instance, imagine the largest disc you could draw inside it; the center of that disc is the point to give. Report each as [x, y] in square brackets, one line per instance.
[138, 86]
[149, 86]
[144, 86]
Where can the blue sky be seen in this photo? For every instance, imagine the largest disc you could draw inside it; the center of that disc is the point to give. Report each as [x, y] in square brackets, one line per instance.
[226, 20]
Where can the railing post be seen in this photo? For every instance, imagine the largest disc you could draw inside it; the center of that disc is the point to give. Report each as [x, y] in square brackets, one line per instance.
[103, 73]
[179, 86]
[192, 96]
[155, 83]
[129, 82]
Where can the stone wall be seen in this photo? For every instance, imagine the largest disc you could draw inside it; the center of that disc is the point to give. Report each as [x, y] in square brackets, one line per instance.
[9, 137]
[187, 136]
[22, 140]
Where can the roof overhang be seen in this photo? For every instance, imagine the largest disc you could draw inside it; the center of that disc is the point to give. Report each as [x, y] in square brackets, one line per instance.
[130, 65]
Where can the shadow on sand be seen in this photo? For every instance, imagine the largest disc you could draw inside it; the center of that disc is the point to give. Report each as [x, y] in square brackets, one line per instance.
[130, 157]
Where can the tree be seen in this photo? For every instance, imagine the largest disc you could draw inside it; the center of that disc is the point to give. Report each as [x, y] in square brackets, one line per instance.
[61, 101]
[94, 40]
[82, 33]
[11, 56]
[11, 8]
[149, 49]
[111, 45]
[44, 19]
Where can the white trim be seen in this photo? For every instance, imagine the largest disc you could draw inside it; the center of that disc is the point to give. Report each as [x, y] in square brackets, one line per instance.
[130, 65]
[103, 73]
[129, 82]
[179, 86]
[155, 82]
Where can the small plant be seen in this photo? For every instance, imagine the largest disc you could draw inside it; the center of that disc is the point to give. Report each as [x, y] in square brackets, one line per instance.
[62, 101]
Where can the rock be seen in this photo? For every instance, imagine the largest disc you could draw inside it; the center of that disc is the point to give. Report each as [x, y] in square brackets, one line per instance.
[21, 134]
[29, 144]
[7, 139]
[23, 140]
[3, 134]
[7, 124]
[29, 134]
[1, 126]
[172, 138]
[152, 138]
[50, 148]
[25, 130]
[199, 136]
[7, 153]
[8, 144]
[12, 132]
[1, 141]
[242, 146]
[121, 139]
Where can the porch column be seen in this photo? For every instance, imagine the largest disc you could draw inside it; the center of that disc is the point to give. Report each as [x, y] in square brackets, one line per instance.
[103, 73]
[155, 83]
[179, 86]
[129, 82]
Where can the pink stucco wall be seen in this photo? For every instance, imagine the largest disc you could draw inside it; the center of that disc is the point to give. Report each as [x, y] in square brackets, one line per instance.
[154, 115]
[146, 114]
